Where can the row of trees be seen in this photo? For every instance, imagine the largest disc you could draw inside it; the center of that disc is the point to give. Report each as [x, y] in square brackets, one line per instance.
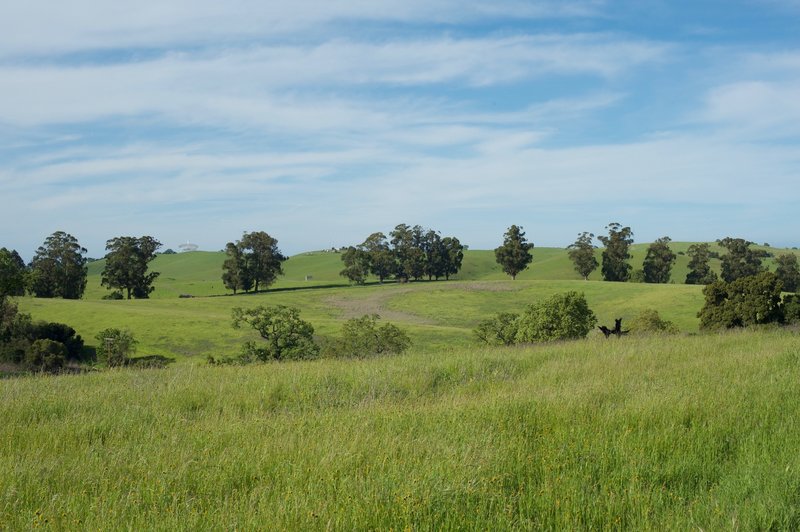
[739, 261]
[59, 268]
[409, 253]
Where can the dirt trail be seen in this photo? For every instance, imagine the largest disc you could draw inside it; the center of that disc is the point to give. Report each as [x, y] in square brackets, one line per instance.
[374, 304]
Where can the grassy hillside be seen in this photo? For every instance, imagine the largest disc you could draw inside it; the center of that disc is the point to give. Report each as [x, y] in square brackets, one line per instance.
[694, 433]
[435, 313]
[438, 313]
[199, 273]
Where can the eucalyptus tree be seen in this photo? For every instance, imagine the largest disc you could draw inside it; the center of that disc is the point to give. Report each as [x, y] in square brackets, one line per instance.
[58, 268]
[581, 253]
[126, 268]
[617, 252]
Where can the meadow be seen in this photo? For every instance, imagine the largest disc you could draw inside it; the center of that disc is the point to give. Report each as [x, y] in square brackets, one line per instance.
[685, 432]
[655, 432]
[434, 313]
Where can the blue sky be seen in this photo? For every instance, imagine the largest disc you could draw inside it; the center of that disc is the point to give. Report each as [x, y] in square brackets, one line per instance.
[321, 122]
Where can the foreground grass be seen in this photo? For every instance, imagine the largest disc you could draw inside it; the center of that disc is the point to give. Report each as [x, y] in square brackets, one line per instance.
[685, 432]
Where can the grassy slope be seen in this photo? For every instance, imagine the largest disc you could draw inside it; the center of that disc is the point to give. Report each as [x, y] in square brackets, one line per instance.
[440, 313]
[694, 433]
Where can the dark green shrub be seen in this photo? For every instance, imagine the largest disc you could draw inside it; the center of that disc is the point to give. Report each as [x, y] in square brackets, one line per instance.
[46, 355]
[362, 338]
[560, 317]
[751, 300]
[649, 321]
[14, 331]
[115, 346]
[791, 308]
[286, 336]
[500, 330]
[59, 332]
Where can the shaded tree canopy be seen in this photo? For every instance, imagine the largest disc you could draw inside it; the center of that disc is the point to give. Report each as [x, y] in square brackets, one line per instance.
[235, 274]
[454, 255]
[356, 264]
[788, 272]
[381, 258]
[12, 273]
[581, 253]
[263, 259]
[514, 255]
[740, 260]
[751, 300]
[127, 260]
[700, 271]
[658, 262]
[58, 268]
[616, 253]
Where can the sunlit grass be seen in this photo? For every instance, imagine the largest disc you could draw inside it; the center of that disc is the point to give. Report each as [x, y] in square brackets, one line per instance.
[690, 432]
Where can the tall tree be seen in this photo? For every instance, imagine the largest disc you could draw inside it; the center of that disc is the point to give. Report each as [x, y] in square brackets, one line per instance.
[514, 255]
[12, 273]
[616, 253]
[59, 267]
[740, 261]
[700, 271]
[235, 275]
[581, 253]
[406, 253]
[381, 259]
[356, 264]
[658, 261]
[262, 257]
[788, 272]
[435, 255]
[127, 260]
[454, 253]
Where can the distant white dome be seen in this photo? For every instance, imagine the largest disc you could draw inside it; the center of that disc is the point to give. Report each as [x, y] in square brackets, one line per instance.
[188, 247]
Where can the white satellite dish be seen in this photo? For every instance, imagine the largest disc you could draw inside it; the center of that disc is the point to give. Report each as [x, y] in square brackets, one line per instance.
[188, 246]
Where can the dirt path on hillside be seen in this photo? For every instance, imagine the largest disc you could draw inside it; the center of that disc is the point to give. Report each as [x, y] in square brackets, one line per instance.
[375, 303]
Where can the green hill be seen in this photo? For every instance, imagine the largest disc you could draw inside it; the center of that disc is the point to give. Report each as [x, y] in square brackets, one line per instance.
[434, 313]
[199, 273]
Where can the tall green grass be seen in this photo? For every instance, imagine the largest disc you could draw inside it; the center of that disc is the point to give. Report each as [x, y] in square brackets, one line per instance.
[684, 432]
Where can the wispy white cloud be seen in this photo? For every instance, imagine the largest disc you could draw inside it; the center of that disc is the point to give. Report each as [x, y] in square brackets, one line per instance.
[261, 85]
[43, 27]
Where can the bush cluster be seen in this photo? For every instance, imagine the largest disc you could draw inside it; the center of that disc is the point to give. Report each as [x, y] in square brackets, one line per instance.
[362, 338]
[746, 301]
[560, 317]
[648, 321]
[36, 346]
[285, 336]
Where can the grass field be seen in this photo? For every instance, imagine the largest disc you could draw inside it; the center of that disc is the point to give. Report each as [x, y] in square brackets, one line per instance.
[696, 432]
[689, 431]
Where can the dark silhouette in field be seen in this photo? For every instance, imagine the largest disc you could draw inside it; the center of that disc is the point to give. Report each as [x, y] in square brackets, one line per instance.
[617, 330]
